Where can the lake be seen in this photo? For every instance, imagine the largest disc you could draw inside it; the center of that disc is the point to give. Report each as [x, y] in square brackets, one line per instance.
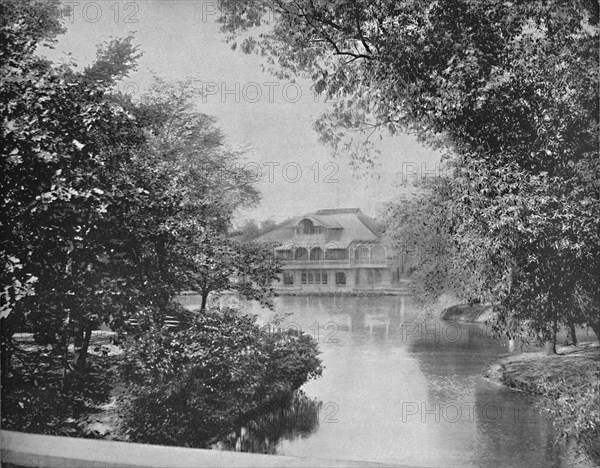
[397, 389]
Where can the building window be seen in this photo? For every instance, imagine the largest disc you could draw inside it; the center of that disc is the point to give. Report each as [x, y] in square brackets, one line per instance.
[377, 276]
[361, 253]
[336, 254]
[316, 277]
[369, 276]
[340, 278]
[288, 278]
[396, 276]
[317, 254]
[378, 253]
[301, 254]
[307, 227]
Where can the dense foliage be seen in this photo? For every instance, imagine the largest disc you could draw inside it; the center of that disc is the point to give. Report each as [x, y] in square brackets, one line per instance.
[570, 390]
[110, 208]
[35, 399]
[509, 90]
[63, 143]
[575, 410]
[187, 385]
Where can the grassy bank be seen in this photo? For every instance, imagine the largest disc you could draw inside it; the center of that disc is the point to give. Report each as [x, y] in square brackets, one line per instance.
[569, 386]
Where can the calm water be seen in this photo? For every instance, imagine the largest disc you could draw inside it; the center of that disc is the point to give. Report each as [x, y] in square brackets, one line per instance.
[398, 390]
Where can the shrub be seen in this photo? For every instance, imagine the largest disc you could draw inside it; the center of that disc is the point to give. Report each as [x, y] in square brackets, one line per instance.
[187, 385]
[574, 406]
[37, 398]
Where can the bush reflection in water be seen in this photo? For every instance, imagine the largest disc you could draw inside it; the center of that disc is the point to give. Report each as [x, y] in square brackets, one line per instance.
[297, 417]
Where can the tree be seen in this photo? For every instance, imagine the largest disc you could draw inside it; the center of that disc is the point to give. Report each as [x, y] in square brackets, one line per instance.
[194, 247]
[509, 89]
[247, 232]
[216, 264]
[110, 208]
[99, 192]
[250, 230]
[63, 143]
[419, 226]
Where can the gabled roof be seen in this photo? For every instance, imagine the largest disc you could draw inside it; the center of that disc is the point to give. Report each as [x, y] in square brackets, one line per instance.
[343, 226]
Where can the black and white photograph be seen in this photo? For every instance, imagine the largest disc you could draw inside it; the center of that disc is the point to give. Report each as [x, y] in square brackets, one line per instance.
[300, 233]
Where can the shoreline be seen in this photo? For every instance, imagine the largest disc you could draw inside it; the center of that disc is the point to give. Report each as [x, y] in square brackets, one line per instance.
[478, 313]
[357, 293]
[524, 371]
[566, 385]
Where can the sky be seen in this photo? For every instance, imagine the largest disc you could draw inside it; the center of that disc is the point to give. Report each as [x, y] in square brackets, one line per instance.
[273, 119]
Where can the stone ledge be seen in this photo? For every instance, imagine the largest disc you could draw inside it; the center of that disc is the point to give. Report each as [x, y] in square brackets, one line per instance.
[34, 450]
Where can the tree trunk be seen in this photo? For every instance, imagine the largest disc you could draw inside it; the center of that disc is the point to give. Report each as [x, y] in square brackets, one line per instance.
[596, 328]
[204, 300]
[66, 338]
[5, 351]
[554, 329]
[572, 333]
[85, 344]
[78, 337]
[551, 345]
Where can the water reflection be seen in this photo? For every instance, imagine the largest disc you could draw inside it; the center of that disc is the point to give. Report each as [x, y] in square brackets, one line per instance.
[406, 390]
[504, 427]
[296, 418]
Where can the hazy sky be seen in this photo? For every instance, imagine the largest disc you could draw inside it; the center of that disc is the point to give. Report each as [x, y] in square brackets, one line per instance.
[273, 118]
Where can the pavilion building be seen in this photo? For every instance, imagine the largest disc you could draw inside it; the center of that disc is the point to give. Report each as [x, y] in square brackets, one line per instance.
[335, 250]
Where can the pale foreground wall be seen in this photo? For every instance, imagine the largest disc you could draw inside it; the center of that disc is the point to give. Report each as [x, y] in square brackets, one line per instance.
[32, 450]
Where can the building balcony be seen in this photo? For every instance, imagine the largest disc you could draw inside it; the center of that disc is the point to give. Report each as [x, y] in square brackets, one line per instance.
[345, 263]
